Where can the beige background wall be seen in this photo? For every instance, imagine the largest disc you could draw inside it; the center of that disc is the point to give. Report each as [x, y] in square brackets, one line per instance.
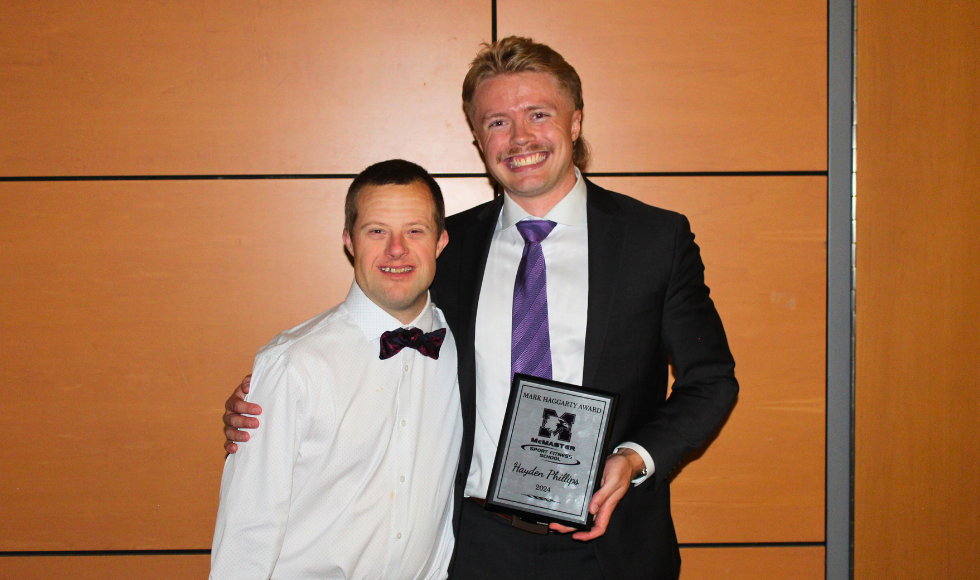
[132, 307]
[917, 506]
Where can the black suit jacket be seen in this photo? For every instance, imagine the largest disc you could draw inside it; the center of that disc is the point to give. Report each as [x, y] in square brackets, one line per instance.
[647, 302]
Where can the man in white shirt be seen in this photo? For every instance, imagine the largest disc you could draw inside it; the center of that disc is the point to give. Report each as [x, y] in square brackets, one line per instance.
[351, 475]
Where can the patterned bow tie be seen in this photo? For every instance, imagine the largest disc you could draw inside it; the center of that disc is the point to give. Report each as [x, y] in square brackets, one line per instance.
[429, 343]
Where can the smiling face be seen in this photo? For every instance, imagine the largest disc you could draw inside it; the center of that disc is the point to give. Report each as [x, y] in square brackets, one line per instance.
[526, 127]
[395, 242]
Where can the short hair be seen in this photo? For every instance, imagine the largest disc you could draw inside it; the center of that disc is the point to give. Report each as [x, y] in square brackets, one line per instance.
[517, 54]
[393, 172]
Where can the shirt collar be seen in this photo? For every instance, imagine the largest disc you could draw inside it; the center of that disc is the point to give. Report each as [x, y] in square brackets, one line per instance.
[374, 321]
[570, 211]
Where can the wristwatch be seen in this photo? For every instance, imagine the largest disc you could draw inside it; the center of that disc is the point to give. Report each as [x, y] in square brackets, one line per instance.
[643, 472]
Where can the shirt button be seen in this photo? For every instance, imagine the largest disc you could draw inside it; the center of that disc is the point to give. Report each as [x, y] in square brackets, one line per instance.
[402, 479]
[403, 422]
[406, 368]
[399, 535]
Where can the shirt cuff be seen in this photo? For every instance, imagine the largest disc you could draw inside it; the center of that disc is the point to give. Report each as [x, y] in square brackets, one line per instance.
[647, 459]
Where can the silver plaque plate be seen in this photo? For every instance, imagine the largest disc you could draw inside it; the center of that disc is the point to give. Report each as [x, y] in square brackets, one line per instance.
[551, 452]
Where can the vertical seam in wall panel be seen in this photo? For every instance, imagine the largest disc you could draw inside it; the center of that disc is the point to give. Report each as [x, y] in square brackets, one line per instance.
[853, 201]
[839, 533]
[493, 20]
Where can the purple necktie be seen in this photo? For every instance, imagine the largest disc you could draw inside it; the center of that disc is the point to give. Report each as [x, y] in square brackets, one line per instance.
[530, 346]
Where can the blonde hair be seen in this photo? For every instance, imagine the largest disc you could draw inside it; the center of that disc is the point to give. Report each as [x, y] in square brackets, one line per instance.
[517, 54]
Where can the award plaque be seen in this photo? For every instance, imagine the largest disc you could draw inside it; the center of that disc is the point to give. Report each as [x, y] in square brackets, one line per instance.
[551, 451]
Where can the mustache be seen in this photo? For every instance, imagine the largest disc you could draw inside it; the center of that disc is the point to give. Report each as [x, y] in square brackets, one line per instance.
[523, 151]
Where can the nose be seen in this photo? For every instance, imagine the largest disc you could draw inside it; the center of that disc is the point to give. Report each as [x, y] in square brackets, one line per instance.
[522, 133]
[396, 246]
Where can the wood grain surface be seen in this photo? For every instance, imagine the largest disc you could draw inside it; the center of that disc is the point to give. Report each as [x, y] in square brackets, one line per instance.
[131, 311]
[725, 85]
[763, 244]
[770, 563]
[133, 88]
[917, 395]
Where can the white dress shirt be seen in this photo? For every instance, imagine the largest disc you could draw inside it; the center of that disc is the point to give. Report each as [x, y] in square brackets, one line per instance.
[566, 256]
[351, 474]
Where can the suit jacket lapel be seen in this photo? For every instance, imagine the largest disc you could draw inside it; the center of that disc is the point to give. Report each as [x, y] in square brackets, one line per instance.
[607, 234]
[475, 242]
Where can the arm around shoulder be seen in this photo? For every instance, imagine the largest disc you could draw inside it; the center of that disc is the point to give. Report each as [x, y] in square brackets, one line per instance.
[236, 417]
[256, 482]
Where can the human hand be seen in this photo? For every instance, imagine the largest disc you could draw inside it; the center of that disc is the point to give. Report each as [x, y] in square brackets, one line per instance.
[616, 477]
[235, 420]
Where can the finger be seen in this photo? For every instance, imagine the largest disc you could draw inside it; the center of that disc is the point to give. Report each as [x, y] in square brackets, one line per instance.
[237, 399]
[234, 398]
[233, 421]
[615, 478]
[560, 528]
[236, 404]
[600, 498]
[601, 519]
[598, 528]
[244, 407]
[230, 447]
[236, 436]
[615, 483]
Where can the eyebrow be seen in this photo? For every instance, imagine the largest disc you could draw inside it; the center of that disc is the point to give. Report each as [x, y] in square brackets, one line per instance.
[529, 109]
[492, 115]
[384, 224]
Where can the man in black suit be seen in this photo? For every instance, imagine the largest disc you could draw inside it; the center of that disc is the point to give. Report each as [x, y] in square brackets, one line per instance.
[624, 297]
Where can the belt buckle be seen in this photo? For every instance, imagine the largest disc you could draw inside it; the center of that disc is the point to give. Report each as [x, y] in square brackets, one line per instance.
[517, 522]
[533, 527]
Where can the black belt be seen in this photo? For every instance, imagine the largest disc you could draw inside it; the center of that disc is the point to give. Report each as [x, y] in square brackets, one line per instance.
[517, 522]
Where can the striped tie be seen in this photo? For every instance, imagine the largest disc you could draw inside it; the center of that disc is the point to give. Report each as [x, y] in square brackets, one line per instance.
[530, 345]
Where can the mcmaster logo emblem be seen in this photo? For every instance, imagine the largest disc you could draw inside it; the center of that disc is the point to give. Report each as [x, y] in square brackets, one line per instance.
[554, 434]
[555, 425]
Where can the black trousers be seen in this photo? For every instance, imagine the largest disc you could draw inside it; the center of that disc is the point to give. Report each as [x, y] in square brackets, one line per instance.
[489, 547]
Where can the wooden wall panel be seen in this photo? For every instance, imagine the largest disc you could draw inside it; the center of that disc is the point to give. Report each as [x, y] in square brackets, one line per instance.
[763, 244]
[789, 563]
[917, 394]
[193, 567]
[726, 85]
[111, 88]
[130, 308]
[133, 307]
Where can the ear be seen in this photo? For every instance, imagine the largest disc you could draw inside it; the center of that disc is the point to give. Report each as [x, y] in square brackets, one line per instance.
[441, 243]
[476, 139]
[348, 243]
[576, 125]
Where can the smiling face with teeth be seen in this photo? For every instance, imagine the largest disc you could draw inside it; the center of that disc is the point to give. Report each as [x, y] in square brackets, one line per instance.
[395, 242]
[526, 127]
